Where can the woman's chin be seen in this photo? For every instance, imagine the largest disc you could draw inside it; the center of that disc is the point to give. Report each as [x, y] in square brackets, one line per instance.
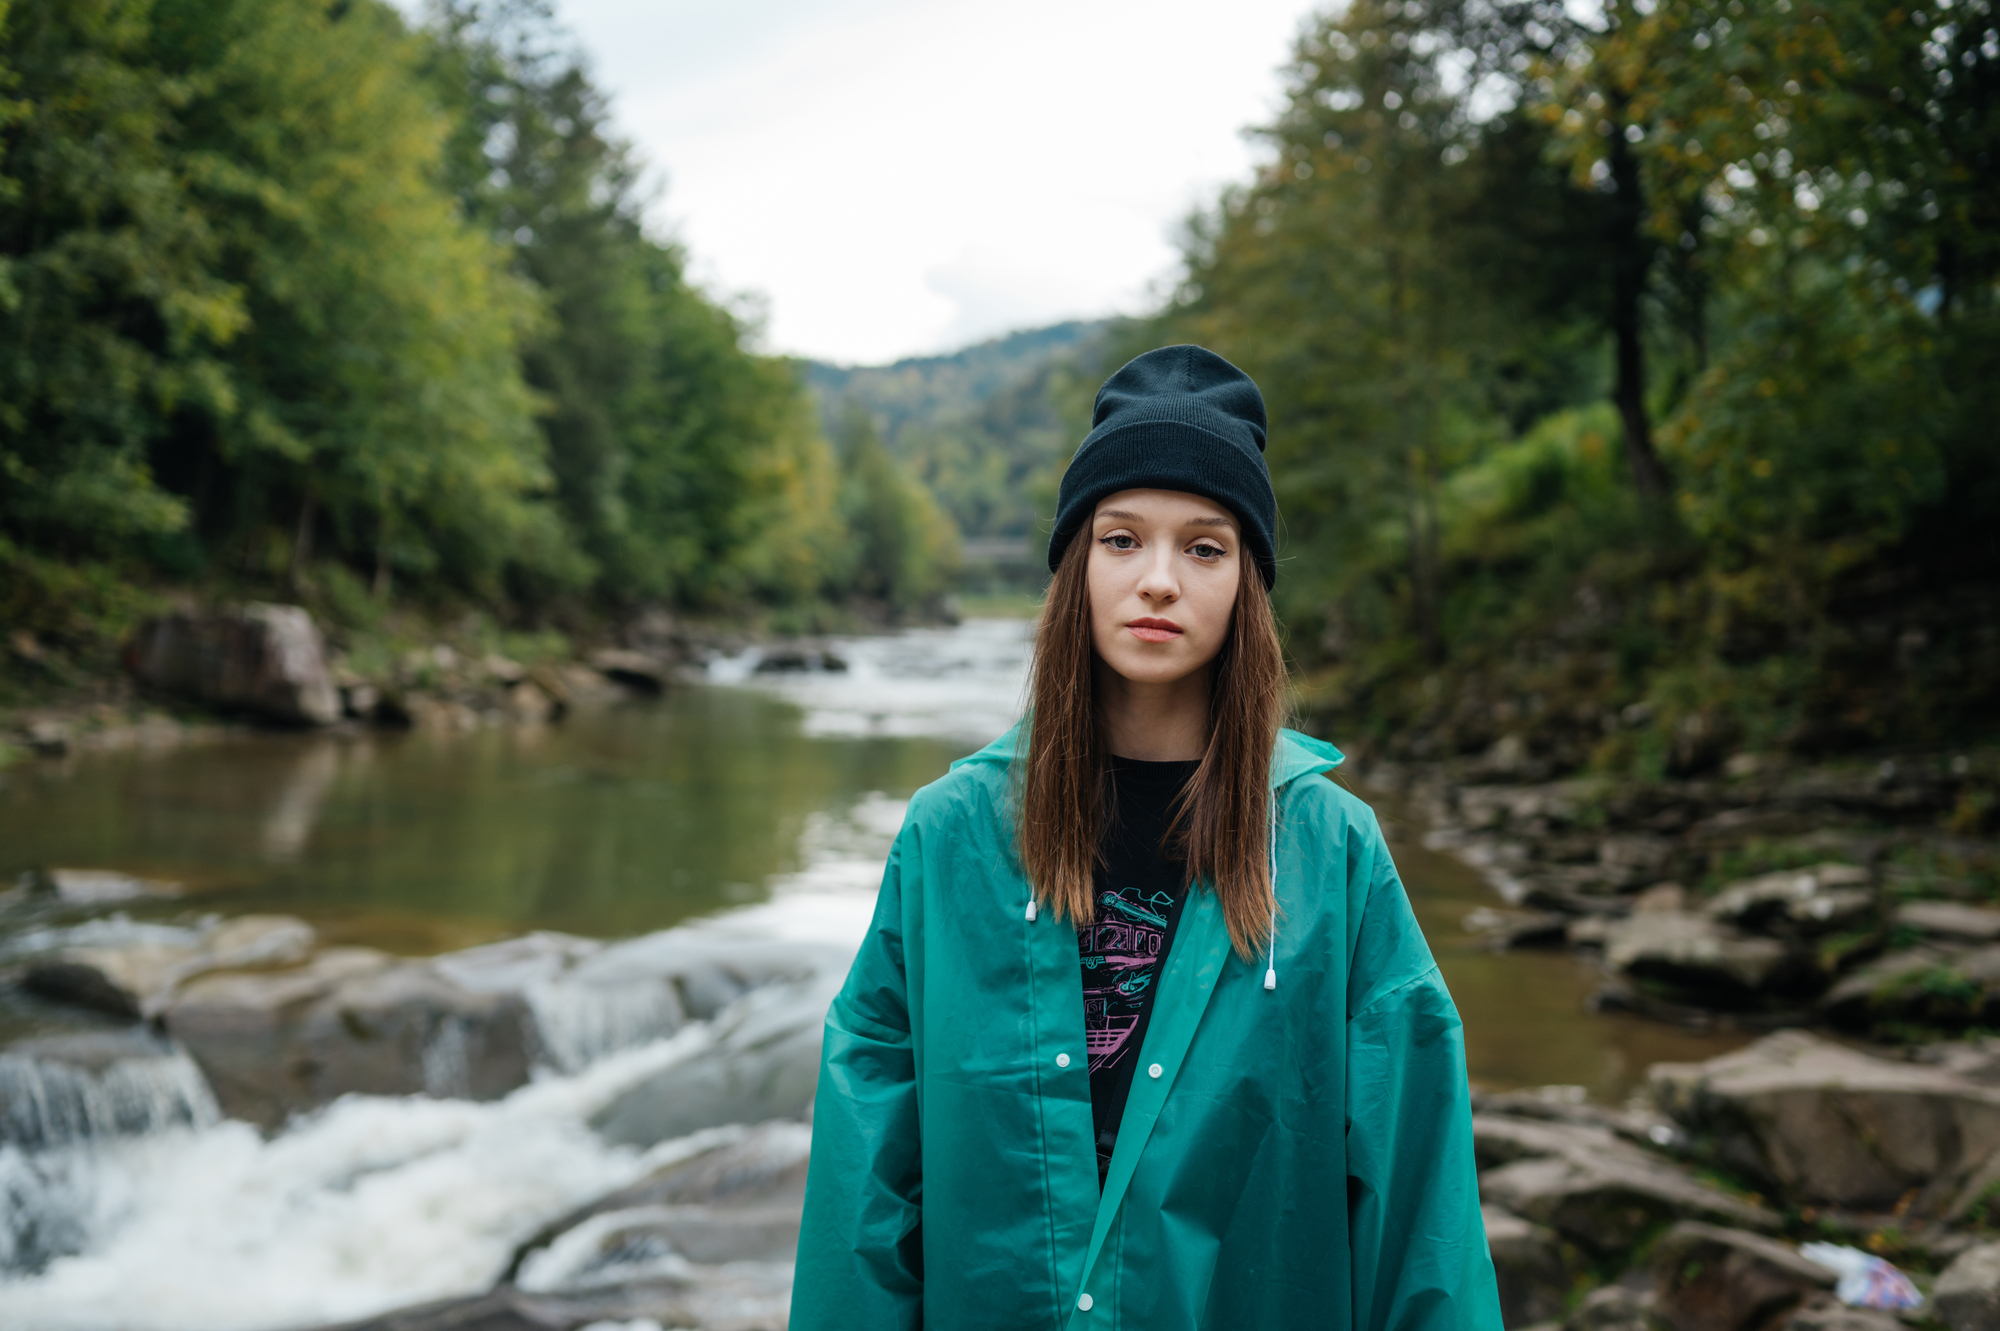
[1169, 663]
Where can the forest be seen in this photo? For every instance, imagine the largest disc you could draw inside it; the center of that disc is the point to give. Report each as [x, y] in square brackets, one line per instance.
[1633, 376]
[301, 302]
[1634, 382]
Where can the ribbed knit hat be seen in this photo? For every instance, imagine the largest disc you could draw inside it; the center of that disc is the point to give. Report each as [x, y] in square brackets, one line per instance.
[1179, 418]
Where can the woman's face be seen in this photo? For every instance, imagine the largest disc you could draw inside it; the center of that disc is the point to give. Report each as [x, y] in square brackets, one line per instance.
[1163, 571]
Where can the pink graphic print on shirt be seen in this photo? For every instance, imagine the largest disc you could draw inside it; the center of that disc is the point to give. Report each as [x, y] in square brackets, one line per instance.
[1121, 954]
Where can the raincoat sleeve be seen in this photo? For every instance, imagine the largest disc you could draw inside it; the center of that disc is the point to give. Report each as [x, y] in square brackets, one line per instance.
[1417, 1243]
[860, 1262]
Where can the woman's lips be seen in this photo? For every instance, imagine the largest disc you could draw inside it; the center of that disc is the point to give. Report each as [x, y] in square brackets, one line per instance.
[1154, 630]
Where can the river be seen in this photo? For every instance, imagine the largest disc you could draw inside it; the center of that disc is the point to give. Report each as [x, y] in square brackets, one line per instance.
[759, 803]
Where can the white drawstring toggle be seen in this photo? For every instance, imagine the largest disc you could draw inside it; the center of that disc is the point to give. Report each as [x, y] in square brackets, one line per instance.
[1271, 963]
[1031, 910]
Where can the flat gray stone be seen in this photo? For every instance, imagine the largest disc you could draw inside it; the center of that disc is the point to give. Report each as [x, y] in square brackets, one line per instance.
[1951, 919]
[1826, 1125]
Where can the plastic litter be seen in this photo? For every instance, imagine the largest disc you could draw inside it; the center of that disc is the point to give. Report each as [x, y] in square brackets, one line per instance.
[1866, 1281]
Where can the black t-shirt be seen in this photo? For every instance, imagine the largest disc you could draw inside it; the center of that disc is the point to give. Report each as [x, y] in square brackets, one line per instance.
[1140, 892]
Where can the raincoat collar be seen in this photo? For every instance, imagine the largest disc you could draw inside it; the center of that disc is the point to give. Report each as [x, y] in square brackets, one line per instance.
[1295, 754]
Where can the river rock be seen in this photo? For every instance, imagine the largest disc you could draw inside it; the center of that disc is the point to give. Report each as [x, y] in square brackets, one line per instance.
[635, 670]
[1502, 930]
[1827, 1125]
[1598, 1191]
[739, 1200]
[1925, 985]
[1815, 900]
[1967, 1296]
[353, 1020]
[1534, 1279]
[1706, 1278]
[763, 1064]
[268, 660]
[1699, 956]
[94, 887]
[1633, 859]
[707, 970]
[137, 979]
[1950, 919]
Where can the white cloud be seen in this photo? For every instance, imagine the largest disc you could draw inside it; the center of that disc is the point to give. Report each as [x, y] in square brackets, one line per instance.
[896, 176]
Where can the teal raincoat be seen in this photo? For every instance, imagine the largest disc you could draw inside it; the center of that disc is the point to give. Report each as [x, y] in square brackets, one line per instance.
[1298, 1156]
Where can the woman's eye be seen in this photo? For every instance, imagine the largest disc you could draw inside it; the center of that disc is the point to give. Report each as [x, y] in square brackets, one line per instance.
[1203, 550]
[1120, 542]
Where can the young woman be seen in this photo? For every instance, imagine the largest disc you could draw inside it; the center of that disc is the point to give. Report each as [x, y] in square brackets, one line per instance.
[1089, 1069]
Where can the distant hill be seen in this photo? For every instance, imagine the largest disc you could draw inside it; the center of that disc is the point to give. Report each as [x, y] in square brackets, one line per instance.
[987, 429]
[921, 390]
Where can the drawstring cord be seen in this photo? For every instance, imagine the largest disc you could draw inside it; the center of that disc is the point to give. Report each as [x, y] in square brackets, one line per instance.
[1271, 964]
[1271, 961]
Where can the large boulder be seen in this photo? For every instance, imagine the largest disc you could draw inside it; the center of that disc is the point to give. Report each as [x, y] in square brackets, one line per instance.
[1952, 920]
[1706, 1278]
[1826, 1125]
[706, 1241]
[1929, 985]
[1596, 1190]
[762, 1063]
[737, 1201]
[135, 979]
[1803, 901]
[1967, 1296]
[267, 660]
[1698, 956]
[352, 1020]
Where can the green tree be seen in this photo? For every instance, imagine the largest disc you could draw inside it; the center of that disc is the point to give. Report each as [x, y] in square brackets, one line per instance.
[673, 446]
[904, 550]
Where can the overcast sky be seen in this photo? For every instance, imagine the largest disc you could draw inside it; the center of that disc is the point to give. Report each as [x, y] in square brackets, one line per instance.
[896, 177]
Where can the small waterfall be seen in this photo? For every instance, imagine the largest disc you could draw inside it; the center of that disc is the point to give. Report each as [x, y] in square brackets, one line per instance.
[60, 1100]
[83, 1089]
[578, 1023]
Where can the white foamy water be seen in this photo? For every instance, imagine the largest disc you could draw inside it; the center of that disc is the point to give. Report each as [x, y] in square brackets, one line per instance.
[962, 683]
[376, 1203]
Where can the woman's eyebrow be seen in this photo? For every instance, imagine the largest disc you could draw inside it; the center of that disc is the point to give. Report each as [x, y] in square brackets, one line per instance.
[1120, 514]
[1211, 522]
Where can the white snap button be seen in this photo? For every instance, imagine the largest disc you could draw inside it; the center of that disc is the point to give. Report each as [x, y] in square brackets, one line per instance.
[1062, 1060]
[1083, 1304]
[1155, 1070]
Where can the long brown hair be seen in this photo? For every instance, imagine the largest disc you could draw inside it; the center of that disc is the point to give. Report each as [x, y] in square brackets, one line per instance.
[1220, 826]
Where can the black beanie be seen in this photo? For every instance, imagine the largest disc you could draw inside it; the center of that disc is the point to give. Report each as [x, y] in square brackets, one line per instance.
[1179, 418]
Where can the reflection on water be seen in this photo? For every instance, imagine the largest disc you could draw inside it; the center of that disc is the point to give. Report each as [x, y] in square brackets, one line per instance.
[616, 822]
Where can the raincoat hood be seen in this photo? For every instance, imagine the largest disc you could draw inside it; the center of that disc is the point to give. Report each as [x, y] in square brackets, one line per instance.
[1289, 1157]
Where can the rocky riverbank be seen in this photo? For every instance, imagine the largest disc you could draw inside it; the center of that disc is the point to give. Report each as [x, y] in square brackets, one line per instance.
[643, 1105]
[1862, 897]
[197, 674]
[1699, 1206]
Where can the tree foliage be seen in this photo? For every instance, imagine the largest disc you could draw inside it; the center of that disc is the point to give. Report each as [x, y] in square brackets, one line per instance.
[297, 296]
[1510, 279]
